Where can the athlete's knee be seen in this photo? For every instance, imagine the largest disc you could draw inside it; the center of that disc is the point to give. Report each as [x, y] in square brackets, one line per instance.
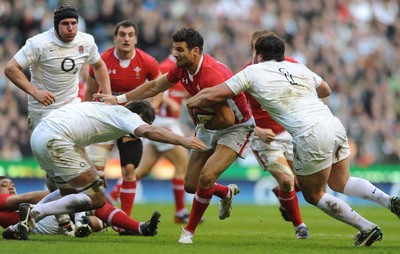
[95, 191]
[128, 172]
[98, 200]
[313, 197]
[207, 179]
[190, 187]
[286, 185]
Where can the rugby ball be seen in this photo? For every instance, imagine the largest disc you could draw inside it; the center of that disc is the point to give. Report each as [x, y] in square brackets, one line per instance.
[203, 115]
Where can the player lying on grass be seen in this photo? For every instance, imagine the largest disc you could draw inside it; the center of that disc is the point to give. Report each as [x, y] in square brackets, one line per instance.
[84, 225]
[57, 144]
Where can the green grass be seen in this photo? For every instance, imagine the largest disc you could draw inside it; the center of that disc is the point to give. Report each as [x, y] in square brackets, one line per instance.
[250, 229]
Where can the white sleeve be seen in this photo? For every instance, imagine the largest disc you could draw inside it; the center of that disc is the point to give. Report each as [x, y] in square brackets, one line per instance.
[241, 81]
[94, 55]
[27, 55]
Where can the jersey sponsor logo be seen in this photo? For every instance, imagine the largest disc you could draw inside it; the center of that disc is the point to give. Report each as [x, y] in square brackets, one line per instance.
[81, 49]
[68, 64]
[113, 71]
[185, 81]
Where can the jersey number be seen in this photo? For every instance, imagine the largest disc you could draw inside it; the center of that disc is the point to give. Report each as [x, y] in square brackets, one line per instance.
[288, 76]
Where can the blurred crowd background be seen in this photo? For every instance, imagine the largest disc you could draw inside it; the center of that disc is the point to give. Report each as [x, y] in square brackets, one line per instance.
[353, 44]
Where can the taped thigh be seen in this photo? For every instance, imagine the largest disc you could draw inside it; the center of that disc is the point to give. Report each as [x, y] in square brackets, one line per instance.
[98, 155]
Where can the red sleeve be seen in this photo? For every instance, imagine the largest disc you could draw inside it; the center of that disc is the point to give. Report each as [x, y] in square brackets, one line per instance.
[166, 65]
[174, 74]
[8, 218]
[153, 69]
[3, 200]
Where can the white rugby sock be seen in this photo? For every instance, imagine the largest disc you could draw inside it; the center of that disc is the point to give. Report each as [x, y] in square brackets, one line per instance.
[340, 210]
[361, 188]
[51, 197]
[68, 204]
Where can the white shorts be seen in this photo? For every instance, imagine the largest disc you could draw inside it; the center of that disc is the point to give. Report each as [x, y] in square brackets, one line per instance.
[319, 147]
[58, 155]
[169, 123]
[267, 153]
[34, 118]
[236, 137]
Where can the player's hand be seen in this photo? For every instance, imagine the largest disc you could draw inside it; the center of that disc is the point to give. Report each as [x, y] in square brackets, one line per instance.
[102, 175]
[194, 143]
[107, 98]
[44, 97]
[266, 135]
[190, 113]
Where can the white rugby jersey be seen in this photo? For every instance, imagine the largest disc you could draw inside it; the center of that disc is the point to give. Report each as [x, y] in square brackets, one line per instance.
[92, 122]
[55, 65]
[286, 90]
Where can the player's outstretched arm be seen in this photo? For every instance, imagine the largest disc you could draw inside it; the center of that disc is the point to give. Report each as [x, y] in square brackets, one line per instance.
[210, 96]
[144, 91]
[33, 197]
[160, 134]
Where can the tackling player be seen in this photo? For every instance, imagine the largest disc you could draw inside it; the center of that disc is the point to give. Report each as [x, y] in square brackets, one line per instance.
[128, 67]
[226, 143]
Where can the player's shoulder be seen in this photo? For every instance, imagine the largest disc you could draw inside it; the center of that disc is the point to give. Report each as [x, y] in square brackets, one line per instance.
[146, 56]
[85, 37]
[108, 53]
[41, 40]
[211, 63]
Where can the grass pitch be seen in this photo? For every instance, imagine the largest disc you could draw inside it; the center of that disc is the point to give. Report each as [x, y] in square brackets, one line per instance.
[250, 229]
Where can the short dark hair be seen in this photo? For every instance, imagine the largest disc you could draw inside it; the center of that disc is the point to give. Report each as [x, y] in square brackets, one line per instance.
[64, 11]
[4, 177]
[142, 108]
[270, 47]
[254, 36]
[190, 36]
[125, 23]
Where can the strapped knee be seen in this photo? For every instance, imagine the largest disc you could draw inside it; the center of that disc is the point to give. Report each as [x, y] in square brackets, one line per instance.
[130, 152]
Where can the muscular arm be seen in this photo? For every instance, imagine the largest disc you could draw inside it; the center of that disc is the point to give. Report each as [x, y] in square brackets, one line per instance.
[92, 87]
[223, 117]
[102, 77]
[33, 197]
[210, 96]
[147, 90]
[158, 98]
[15, 74]
[323, 90]
[161, 134]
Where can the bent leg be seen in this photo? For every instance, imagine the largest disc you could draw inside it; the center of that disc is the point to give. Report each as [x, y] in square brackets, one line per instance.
[340, 181]
[313, 188]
